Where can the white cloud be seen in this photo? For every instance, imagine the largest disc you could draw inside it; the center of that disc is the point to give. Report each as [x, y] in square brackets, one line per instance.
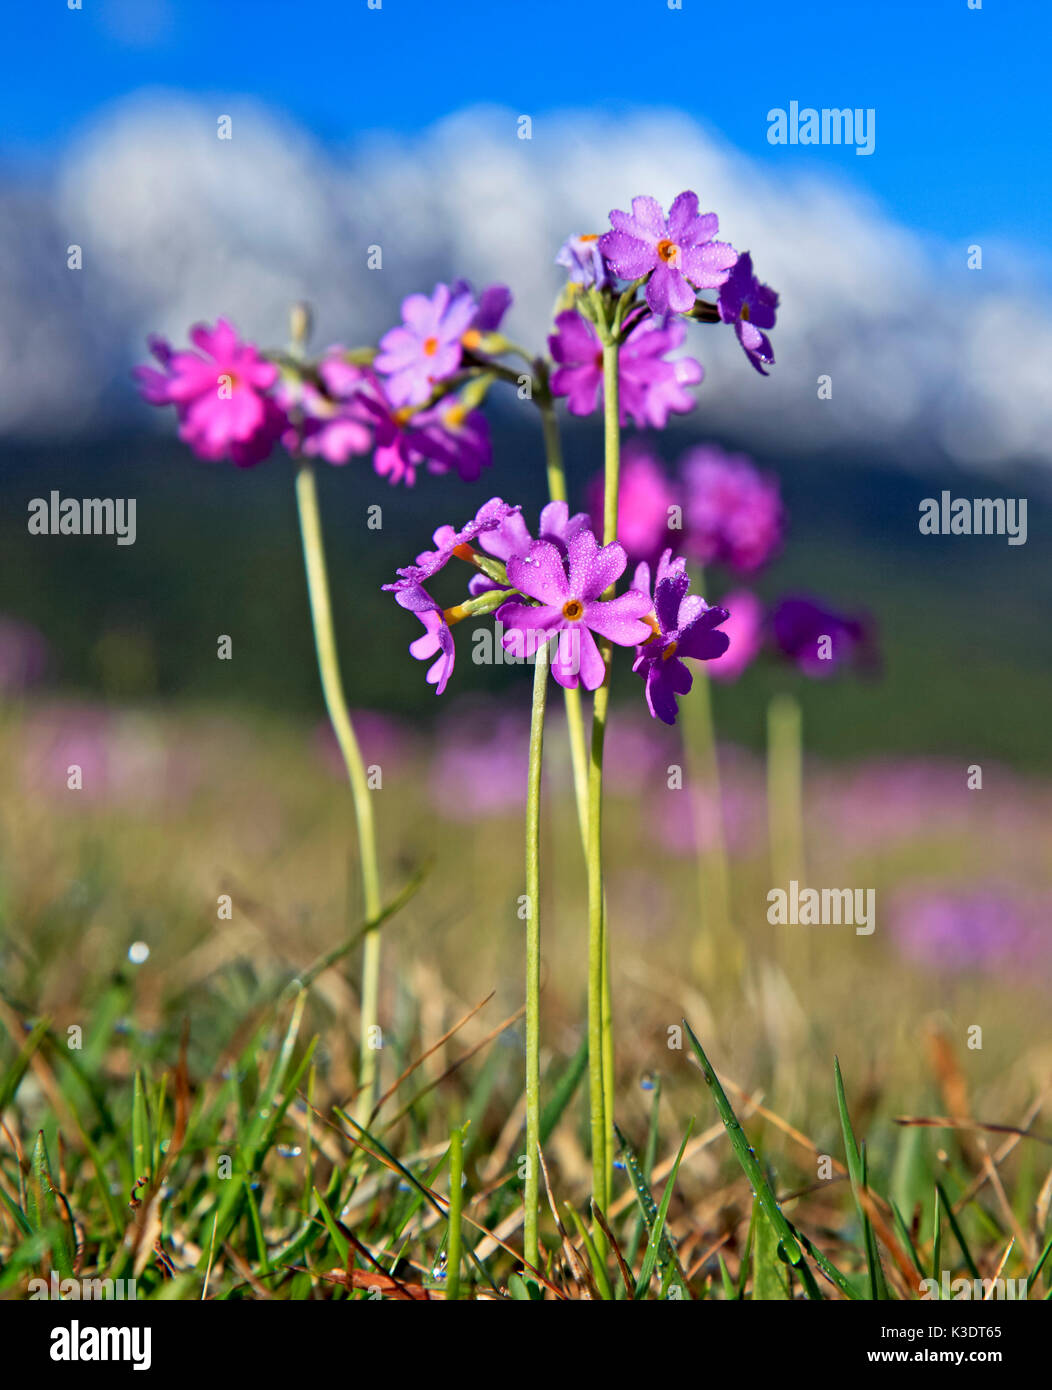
[177, 225]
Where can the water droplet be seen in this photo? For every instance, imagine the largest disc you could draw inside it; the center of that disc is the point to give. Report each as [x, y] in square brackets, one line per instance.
[138, 952]
[289, 1150]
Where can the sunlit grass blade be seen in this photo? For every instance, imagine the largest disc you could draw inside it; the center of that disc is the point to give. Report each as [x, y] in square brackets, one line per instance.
[142, 1136]
[770, 1278]
[12, 1077]
[746, 1157]
[973, 1268]
[857, 1174]
[45, 1213]
[659, 1252]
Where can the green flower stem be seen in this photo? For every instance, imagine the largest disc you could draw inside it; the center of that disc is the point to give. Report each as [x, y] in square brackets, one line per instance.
[596, 949]
[600, 1040]
[572, 698]
[785, 819]
[580, 763]
[336, 704]
[533, 958]
[553, 449]
[785, 790]
[699, 737]
[456, 1203]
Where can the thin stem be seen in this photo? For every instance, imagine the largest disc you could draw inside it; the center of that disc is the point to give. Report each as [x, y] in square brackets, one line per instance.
[785, 820]
[596, 944]
[785, 790]
[600, 1042]
[553, 450]
[572, 697]
[533, 957]
[336, 704]
[456, 1202]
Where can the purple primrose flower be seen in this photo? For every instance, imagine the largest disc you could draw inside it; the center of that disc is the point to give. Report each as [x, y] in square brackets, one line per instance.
[568, 592]
[426, 346]
[682, 625]
[677, 252]
[751, 307]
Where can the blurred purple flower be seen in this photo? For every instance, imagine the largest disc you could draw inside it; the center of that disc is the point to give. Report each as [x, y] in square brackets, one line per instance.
[745, 629]
[650, 386]
[677, 252]
[480, 763]
[383, 740]
[684, 821]
[453, 439]
[117, 757]
[581, 257]
[751, 307]
[645, 497]
[819, 640]
[733, 513]
[223, 404]
[493, 303]
[333, 424]
[23, 656]
[974, 928]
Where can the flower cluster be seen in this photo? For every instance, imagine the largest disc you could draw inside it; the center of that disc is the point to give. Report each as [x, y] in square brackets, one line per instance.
[558, 588]
[719, 508]
[400, 403]
[675, 257]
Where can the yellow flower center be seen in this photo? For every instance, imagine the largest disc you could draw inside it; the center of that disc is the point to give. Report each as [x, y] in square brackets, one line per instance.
[668, 251]
[402, 416]
[573, 610]
[430, 347]
[670, 650]
[589, 236]
[471, 339]
[745, 311]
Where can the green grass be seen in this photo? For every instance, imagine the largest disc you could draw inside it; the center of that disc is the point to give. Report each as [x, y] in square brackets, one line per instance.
[196, 1133]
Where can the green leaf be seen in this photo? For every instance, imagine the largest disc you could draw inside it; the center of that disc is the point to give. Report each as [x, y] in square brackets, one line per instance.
[746, 1157]
[44, 1211]
[770, 1278]
[659, 1252]
[142, 1136]
[857, 1173]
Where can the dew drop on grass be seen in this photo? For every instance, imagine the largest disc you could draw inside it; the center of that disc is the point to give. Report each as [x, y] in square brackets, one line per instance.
[138, 953]
[289, 1150]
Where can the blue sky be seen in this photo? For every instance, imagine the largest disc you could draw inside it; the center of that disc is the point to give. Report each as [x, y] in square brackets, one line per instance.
[962, 132]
